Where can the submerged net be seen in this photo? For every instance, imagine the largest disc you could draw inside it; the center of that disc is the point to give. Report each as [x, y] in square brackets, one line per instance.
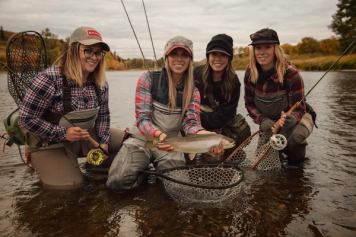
[256, 152]
[203, 184]
[26, 56]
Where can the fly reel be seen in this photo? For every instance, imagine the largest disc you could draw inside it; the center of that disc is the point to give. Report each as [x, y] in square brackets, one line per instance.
[95, 157]
[278, 142]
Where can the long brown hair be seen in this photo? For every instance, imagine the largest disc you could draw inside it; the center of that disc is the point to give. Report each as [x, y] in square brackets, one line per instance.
[228, 80]
[69, 62]
[280, 64]
[187, 91]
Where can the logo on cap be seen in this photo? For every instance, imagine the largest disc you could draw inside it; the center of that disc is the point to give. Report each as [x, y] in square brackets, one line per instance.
[94, 33]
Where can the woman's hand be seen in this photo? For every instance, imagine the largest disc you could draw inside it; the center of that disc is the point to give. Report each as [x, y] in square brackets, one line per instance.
[161, 145]
[76, 134]
[280, 123]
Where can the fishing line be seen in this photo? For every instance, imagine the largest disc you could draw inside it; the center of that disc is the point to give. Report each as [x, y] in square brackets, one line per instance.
[149, 30]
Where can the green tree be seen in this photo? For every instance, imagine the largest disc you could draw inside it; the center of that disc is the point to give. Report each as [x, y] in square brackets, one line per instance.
[329, 46]
[308, 45]
[344, 22]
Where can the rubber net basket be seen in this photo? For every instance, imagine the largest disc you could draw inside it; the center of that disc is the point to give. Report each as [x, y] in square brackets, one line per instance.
[256, 152]
[203, 184]
[26, 56]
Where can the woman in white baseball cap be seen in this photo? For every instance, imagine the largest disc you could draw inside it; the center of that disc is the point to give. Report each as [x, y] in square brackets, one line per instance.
[74, 90]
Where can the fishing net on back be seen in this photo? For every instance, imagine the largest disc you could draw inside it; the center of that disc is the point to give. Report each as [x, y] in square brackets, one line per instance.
[203, 184]
[26, 57]
[256, 152]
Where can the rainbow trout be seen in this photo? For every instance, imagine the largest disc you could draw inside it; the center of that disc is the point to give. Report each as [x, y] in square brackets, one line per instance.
[198, 143]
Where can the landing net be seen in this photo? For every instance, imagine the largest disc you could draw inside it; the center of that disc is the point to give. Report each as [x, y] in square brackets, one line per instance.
[25, 56]
[203, 184]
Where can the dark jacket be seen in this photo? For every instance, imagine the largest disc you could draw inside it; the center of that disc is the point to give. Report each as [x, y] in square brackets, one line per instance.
[225, 110]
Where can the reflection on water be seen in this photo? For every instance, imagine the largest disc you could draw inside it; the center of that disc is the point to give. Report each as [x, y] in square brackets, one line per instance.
[318, 200]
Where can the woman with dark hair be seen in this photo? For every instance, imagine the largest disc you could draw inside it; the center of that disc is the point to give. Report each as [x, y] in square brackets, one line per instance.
[219, 89]
[65, 105]
[166, 104]
[272, 87]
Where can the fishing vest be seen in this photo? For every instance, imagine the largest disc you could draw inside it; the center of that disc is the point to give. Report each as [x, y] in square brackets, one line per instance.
[159, 88]
[163, 118]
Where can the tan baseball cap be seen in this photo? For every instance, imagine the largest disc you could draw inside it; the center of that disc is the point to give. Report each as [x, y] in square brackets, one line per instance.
[87, 36]
[179, 42]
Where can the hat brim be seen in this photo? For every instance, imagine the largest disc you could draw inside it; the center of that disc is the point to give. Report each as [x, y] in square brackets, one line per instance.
[181, 47]
[264, 42]
[220, 51]
[95, 41]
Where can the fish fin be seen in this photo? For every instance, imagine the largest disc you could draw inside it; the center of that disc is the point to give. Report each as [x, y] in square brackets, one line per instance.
[191, 156]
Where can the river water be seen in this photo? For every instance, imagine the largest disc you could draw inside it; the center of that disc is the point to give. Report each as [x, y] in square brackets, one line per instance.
[318, 199]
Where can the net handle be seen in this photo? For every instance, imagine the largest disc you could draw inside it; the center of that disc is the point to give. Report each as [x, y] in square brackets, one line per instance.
[162, 175]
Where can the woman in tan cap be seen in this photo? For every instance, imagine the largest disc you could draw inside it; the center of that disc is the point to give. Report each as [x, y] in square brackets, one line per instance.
[166, 103]
[65, 105]
[272, 87]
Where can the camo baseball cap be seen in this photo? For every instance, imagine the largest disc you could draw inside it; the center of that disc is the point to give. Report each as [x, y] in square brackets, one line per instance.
[179, 42]
[87, 36]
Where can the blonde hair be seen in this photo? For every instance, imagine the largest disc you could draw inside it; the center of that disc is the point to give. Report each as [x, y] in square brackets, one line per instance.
[228, 79]
[69, 62]
[187, 91]
[280, 65]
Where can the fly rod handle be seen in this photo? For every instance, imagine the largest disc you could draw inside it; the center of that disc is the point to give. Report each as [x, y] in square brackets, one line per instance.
[289, 112]
[97, 145]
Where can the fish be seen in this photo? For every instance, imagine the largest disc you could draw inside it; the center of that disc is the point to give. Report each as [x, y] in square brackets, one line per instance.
[197, 143]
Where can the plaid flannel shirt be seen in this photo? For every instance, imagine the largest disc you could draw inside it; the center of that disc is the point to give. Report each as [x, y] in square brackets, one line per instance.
[294, 86]
[191, 121]
[46, 93]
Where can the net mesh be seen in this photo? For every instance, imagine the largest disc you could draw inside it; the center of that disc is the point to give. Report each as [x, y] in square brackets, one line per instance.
[26, 56]
[256, 152]
[208, 184]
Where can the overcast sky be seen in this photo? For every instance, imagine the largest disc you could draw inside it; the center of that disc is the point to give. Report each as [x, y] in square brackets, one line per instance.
[197, 20]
